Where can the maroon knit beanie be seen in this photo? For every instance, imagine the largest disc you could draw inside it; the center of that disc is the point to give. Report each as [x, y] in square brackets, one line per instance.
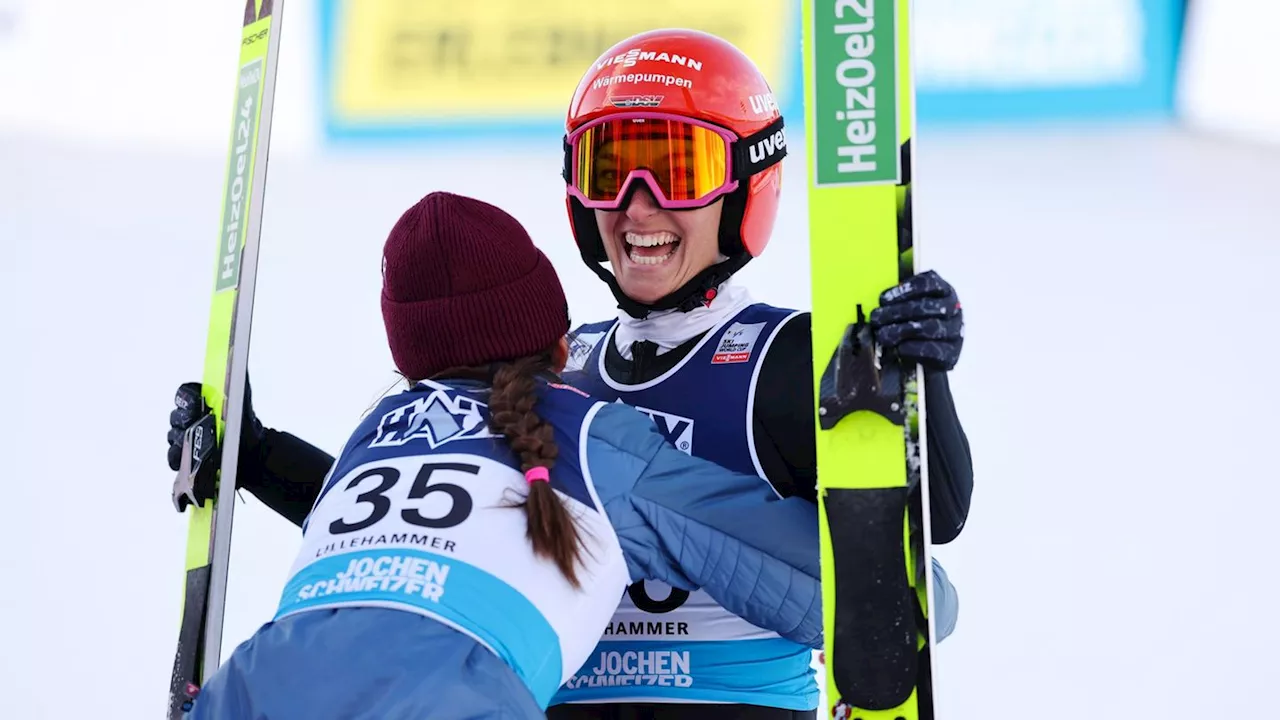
[463, 285]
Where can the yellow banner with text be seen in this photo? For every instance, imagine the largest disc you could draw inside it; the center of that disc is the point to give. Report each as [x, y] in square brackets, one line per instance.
[407, 62]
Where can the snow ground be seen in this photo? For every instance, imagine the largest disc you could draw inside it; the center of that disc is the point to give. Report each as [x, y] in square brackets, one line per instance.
[1115, 388]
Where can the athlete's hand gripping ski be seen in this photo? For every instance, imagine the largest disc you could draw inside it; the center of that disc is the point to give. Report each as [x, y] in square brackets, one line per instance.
[193, 444]
[921, 321]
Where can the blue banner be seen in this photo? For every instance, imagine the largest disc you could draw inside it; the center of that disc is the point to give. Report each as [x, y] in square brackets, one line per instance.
[984, 61]
[392, 70]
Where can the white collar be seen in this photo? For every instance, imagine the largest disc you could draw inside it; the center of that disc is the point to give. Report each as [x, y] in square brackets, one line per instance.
[668, 329]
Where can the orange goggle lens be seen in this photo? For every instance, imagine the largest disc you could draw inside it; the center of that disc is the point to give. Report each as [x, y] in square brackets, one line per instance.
[685, 162]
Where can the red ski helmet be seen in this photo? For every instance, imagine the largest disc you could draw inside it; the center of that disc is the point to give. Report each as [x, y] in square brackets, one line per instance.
[689, 116]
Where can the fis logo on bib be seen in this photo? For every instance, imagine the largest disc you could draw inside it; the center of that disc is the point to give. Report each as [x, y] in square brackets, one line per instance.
[581, 346]
[437, 418]
[737, 343]
[634, 668]
[676, 429]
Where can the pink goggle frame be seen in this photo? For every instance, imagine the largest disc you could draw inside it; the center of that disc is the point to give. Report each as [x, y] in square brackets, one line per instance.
[687, 147]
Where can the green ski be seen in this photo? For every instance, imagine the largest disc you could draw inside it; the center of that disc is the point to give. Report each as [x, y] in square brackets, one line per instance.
[209, 488]
[873, 494]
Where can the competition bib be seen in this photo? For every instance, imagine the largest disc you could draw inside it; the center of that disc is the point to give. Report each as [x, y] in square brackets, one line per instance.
[663, 640]
[442, 535]
[668, 645]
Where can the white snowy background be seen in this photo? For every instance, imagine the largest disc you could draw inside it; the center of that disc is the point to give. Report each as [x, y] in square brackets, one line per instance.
[1116, 386]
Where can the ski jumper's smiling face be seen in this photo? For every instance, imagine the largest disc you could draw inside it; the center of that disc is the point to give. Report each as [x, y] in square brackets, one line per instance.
[672, 162]
[655, 251]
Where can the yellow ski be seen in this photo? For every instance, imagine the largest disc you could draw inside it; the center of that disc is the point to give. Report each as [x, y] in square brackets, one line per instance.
[873, 495]
[210, 491]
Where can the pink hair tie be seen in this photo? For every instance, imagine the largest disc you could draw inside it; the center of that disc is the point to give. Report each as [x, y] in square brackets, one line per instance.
[534, 474]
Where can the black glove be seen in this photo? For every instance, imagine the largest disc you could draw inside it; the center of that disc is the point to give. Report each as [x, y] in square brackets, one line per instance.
[920, 321]
[192, 416]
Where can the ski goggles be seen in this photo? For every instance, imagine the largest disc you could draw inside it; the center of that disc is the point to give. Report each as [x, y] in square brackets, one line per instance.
[685, 163]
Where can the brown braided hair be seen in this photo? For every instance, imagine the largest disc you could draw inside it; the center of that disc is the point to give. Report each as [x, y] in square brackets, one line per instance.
[551, 529]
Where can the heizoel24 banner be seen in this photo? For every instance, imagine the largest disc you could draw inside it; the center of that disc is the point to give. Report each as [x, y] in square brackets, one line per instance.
[417, 68]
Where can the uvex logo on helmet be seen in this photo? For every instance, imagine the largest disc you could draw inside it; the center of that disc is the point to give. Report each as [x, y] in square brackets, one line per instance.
[634, 55]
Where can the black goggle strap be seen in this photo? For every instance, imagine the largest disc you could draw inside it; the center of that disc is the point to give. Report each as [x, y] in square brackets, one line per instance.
[566, 172]
[759, 151]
